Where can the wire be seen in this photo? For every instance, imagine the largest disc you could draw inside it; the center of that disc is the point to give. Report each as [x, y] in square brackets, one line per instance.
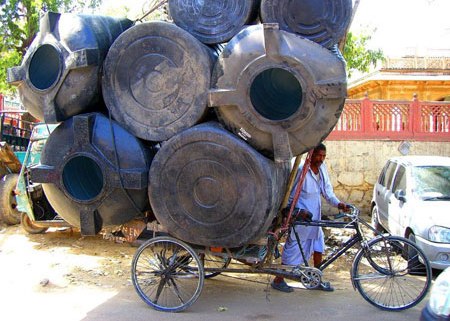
[151, 10]
[118, 166]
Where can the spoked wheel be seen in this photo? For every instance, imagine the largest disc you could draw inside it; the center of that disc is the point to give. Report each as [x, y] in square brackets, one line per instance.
[211, 261]
[167, 274]
[382, 273]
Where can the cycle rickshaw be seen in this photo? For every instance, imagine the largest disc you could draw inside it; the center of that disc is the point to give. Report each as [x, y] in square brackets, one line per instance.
[390, 272]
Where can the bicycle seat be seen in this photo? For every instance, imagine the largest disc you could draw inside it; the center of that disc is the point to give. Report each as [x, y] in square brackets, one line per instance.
[302, 215]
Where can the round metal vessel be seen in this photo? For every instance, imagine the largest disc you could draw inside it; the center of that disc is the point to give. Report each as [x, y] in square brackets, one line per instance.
[322, 21]
[91, 180]
[208, 187]
[156, 80]
[280, 92]
[213, 21]
[60, 73]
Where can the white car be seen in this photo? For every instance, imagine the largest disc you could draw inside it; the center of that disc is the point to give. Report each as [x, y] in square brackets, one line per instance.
[438, 307]
[412, 199]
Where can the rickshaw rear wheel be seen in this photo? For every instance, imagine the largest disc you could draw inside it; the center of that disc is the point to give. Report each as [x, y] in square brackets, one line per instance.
[167, 274]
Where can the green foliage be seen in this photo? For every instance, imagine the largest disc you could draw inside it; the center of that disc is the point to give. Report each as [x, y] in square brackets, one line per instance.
[7, 59]
[20, 23]
[357, 55]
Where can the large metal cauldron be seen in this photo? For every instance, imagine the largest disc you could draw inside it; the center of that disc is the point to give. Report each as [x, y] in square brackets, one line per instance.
[213, 21]
[322, 21]
[156, 80]
[280, 92]
[209, 187]
[60, 73]
[91, 180]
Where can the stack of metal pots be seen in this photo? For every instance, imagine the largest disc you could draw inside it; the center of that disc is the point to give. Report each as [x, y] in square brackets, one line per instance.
[195, 121]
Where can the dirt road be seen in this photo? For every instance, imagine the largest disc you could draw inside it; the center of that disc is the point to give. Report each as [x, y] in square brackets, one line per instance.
[63, 276]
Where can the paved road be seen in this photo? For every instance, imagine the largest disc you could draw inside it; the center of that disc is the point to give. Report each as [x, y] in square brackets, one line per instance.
[250, 301]
[65, 278]
[222, 299]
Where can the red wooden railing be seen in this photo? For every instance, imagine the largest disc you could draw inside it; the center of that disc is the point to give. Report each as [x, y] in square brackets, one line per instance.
[393, 120]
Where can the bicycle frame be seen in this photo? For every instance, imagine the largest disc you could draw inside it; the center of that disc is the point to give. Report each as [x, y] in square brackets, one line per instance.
[343, 247]
[380, 271]
[266, 264]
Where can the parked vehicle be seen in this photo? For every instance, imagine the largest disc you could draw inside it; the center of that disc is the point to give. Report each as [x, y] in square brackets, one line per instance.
[37, 215]
[9, 172]
[438, 306]
[15, 130]
[412, 199]
[22, 200]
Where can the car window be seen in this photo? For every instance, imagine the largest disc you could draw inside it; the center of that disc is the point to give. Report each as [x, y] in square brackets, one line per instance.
[399, 180]
[431, 179]
[390, 174]
[382, 176]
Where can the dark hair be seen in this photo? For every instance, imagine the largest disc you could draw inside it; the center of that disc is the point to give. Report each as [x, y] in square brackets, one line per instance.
[321, 146]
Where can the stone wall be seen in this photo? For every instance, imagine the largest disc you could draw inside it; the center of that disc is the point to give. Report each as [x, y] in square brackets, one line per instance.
[354, 166]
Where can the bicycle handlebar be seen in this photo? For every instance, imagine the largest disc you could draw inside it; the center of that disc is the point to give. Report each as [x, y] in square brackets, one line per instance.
[353, 213]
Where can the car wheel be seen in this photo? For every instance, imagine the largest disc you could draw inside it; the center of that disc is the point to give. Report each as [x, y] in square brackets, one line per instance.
[375, 220]
[414, 265]
[8, 204]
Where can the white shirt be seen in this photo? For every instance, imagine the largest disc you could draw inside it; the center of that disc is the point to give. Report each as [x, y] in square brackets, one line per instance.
[310, 198]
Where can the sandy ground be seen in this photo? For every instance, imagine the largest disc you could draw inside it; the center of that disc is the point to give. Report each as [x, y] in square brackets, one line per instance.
[39, 269]
[61, 275]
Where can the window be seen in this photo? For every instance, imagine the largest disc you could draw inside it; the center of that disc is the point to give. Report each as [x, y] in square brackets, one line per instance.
[390, 174]
[431, 179]
[400, 180]
[381, 179]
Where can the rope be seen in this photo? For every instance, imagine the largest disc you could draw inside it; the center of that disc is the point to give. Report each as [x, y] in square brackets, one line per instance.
[298, 189]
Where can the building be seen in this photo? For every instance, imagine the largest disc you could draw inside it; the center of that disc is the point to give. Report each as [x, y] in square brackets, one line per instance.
[403, 108]
[426, 78]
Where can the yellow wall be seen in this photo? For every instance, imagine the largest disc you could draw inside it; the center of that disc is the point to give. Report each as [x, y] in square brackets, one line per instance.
[401, 90]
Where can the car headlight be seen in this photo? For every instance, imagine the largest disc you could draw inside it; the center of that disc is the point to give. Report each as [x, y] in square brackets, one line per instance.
[439, 234]
[440, 294]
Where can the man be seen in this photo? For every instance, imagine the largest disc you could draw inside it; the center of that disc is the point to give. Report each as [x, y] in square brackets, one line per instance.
[316, 184]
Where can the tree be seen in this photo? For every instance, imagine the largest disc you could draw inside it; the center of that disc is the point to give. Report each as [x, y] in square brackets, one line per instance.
[357, 55]
[354, 48]
[20, 23]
